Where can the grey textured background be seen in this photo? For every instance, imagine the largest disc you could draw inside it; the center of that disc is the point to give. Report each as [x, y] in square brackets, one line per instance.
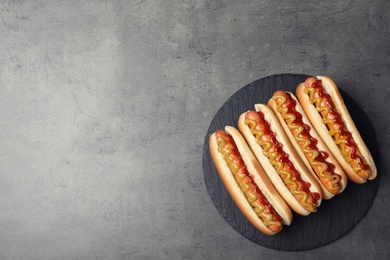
[104, 106]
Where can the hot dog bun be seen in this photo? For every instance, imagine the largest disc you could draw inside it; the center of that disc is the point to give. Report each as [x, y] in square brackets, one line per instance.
[277, 156]
[230, 152]
[318, 96]
[309, 146]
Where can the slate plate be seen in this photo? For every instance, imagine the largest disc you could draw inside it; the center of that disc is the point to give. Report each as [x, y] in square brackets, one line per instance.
[334, 218]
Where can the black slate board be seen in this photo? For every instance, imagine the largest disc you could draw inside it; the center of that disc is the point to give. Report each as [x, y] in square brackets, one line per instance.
[334, 218]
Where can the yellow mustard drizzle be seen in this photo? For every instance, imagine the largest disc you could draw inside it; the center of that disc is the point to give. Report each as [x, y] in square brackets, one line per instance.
[245, 186]
[279, 165]
[313, 154]
[334, 132]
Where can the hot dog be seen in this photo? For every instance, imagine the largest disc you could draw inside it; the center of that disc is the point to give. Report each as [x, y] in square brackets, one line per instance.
[247, 183]
[325, 108]
[309, 146]
[272, 148]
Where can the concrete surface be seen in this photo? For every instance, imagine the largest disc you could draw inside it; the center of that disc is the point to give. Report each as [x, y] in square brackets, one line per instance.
[104, 106]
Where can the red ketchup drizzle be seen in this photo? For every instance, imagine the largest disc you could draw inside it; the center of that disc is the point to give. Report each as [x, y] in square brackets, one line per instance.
[237, 160]
[296, 176]
[337, 120]
[306, 133]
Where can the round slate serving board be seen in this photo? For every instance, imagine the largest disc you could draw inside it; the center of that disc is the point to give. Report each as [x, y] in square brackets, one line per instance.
[334, 218]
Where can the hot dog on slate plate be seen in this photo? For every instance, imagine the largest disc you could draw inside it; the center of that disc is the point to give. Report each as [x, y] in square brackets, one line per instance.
[325, 108]
[246, 182]
[277, 156]
[309, 146]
